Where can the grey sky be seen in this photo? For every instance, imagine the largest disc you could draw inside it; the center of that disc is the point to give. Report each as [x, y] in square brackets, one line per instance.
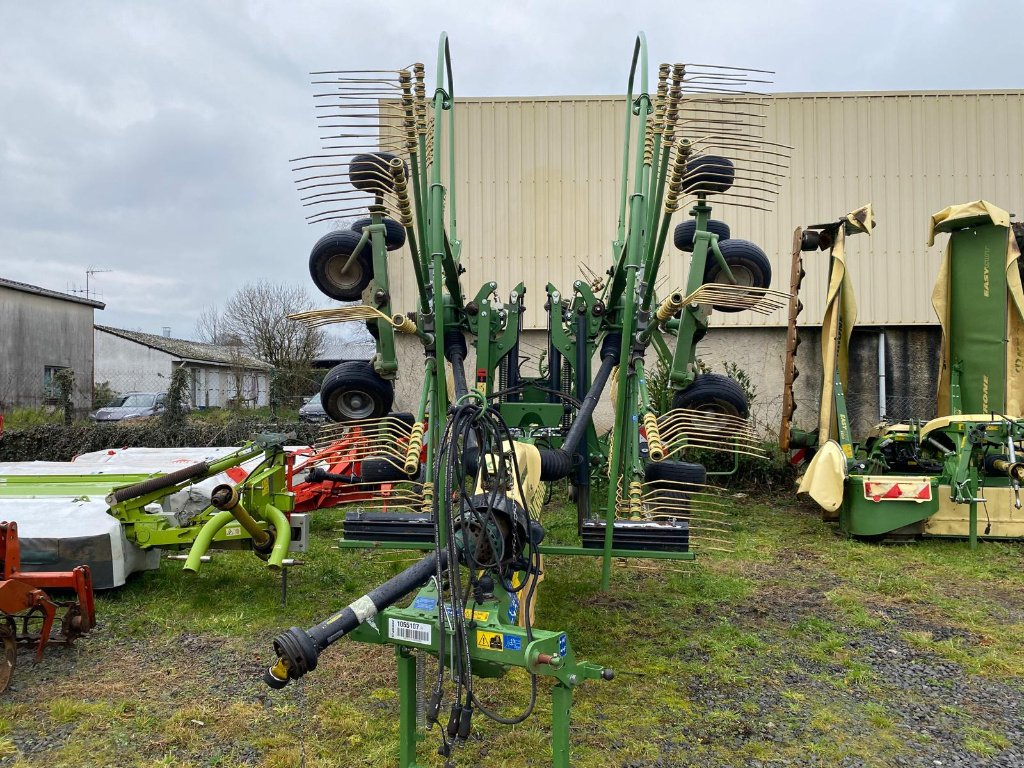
[152, 138]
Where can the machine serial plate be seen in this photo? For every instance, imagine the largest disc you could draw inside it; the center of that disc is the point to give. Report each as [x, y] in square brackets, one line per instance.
[410, 631]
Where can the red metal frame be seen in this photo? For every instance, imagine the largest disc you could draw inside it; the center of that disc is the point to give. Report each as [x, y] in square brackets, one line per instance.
[343, 460]
[22, 592]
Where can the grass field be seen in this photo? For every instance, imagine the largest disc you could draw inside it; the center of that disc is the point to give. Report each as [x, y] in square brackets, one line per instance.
[799, 648]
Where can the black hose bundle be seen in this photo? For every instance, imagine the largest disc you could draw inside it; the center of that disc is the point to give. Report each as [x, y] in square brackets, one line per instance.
[491, 533]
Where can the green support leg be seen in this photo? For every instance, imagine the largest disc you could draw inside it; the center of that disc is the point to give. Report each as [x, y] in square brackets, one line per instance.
[406, 708]
[561, 704]
[973, 532]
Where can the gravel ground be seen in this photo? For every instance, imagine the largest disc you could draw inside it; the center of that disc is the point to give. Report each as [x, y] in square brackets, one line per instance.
[932, 702]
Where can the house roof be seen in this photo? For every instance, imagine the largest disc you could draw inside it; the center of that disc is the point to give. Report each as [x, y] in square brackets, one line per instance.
[14, 285]
[190, 351]
[337, 348]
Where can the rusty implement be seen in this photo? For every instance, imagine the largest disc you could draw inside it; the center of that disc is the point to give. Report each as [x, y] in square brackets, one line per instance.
[28, 614]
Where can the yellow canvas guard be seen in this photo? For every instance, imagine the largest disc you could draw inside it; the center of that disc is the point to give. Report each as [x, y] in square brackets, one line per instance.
[946, 220]
[825, 477]
[837, 324]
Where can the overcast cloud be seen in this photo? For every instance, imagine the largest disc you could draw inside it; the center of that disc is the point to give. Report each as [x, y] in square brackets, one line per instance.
[152, 138]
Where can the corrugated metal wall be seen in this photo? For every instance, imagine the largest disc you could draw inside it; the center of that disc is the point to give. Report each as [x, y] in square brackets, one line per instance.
[538, 183]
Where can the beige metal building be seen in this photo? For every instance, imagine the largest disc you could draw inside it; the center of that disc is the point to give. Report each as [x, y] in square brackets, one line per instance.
[537, 187]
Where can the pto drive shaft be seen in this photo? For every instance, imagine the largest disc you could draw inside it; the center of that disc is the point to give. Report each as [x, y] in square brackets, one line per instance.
[298, 650]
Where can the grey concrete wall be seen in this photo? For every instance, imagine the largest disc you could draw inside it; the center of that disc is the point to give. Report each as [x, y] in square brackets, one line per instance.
[128, 366]
[911, 370]
[40, 331]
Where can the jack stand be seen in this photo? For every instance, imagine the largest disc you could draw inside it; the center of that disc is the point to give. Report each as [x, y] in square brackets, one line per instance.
[285, 565]
[561, 705]
[408, 736]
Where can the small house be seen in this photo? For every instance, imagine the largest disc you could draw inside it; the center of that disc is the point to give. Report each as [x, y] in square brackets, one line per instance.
[219, 376]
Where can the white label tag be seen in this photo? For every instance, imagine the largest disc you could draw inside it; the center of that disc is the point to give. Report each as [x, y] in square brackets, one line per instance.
[233, 531]
[411, 631]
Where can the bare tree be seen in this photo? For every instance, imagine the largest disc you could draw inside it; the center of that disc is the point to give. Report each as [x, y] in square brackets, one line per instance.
[209, 327]
[257, 315]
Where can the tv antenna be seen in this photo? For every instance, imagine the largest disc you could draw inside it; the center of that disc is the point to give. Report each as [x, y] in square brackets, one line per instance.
[89, 272]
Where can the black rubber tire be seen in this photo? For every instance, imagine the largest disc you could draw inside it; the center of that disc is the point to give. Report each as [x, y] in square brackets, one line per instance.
[669, 485]
[371, 172]
[352, 391]
[378, 470]
[709, 174]
[683, 236]
[394, 232]
[327, 263]
[748, 263]
[714, 393]
[676, 471]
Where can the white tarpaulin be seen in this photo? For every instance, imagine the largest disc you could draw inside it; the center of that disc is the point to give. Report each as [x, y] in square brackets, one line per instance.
[58, 533]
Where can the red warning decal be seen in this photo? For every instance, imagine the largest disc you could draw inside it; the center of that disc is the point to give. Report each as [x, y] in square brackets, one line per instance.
[906, 489]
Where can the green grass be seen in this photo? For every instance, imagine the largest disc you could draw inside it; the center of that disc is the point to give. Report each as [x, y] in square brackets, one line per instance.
[229, 415]
[743, 656]
[25, 418]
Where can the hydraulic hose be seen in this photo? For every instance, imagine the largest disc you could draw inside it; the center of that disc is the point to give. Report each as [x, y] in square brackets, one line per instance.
[455, 351]
[557, 463]
[298, 650]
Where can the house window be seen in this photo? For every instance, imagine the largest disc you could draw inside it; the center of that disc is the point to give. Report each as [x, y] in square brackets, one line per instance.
[50, 392]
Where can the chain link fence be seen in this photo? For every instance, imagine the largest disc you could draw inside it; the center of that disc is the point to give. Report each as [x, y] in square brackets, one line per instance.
[223, 395]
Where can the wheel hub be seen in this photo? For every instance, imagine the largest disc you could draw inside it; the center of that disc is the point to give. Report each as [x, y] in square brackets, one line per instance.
[343, 273]
[356, 404]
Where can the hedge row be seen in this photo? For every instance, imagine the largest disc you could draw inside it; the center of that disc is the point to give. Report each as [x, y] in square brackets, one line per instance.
[59, 442]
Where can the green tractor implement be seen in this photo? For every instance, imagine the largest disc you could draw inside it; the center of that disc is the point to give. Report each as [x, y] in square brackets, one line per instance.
[957, 475]
[469, 466]
[255, 513]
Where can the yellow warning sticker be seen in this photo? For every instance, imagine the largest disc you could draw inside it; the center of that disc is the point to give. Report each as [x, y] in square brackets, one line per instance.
[477, 615]
[489, 640]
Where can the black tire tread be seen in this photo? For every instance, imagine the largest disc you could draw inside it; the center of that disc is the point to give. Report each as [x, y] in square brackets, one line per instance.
[685, 231]
[709, 174]
[713, 388]
[340, 243]
[394, 232]
[742, 253]
[349, 375]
